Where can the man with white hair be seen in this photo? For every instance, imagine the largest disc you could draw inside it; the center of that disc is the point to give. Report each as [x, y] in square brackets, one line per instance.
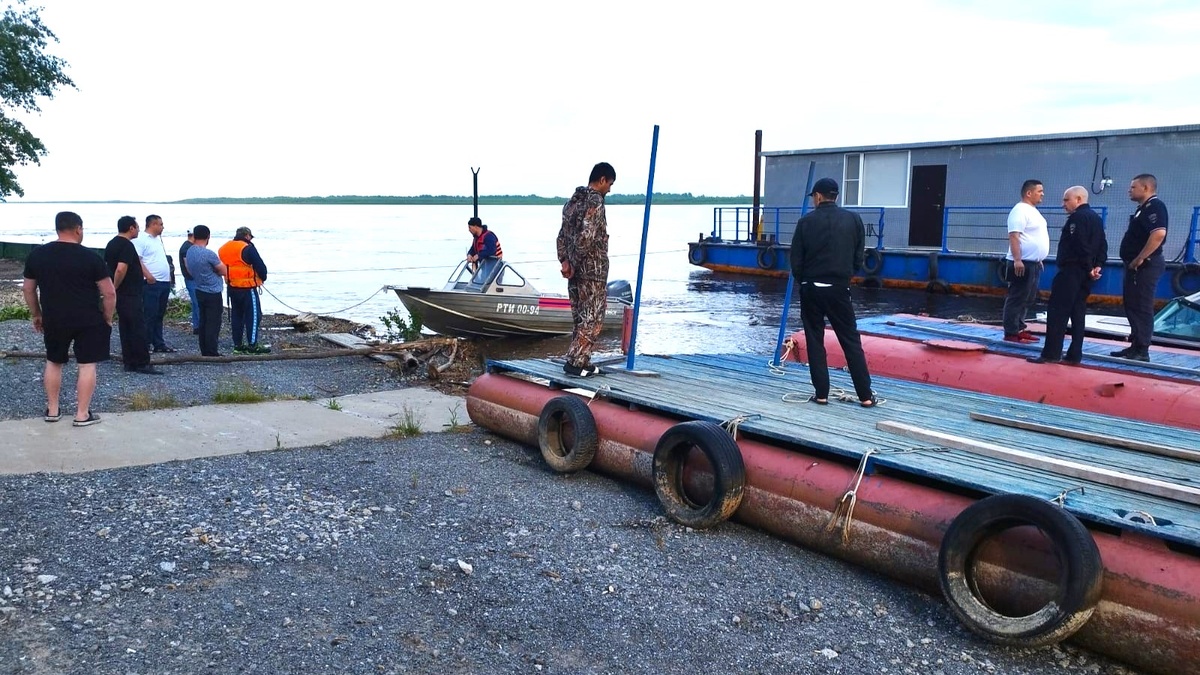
[1082, 250]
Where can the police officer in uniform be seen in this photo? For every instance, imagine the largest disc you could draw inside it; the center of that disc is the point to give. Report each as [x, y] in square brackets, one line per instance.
[1142, 253]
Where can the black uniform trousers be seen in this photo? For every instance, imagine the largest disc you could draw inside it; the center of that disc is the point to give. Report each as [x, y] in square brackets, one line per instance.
[1137, 293]
[1068, 302]
[210, 322]
[817, 303]
[131, 320]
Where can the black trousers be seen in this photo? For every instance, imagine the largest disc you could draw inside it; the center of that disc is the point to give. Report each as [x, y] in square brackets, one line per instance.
[131, 321]
[1137, 293]
[817, 303]
[1068, 302]
[210, 322]
[245, 315]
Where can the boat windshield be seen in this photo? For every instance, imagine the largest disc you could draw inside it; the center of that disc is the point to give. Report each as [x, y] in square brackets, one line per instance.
[1180, 319]
[473, 276]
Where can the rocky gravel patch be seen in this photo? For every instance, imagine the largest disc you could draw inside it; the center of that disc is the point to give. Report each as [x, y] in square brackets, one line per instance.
[454, 552]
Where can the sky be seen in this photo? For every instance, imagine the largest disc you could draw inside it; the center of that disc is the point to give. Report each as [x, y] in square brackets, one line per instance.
[261, 98]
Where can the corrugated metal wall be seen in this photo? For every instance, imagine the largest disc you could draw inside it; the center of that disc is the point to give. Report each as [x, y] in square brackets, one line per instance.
[991, 175]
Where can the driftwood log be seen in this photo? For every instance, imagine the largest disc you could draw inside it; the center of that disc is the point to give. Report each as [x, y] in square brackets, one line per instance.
[406, 354]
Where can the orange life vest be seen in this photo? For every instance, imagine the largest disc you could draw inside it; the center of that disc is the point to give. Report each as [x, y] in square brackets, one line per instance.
[241, 275]
[479, 244]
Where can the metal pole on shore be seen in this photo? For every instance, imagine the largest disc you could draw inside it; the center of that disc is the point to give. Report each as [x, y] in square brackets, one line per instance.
[787, 295]
[637, 291]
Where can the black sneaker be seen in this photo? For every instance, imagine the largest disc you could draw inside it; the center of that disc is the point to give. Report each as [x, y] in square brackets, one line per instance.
[1139, 356]
[576, 371]
[1121, 354]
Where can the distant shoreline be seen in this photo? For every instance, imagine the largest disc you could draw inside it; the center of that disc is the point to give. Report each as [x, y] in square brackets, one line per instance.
[662, 198]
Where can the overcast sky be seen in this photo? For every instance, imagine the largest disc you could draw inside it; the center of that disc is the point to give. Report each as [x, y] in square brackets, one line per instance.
[258, 98]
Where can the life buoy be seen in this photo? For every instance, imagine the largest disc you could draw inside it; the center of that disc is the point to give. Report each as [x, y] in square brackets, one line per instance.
[696, 253]
[728, 473]
[1080, 570]
[567, 434]
[1182, 271]
[937, 286]
[766, 258]
[872, 261]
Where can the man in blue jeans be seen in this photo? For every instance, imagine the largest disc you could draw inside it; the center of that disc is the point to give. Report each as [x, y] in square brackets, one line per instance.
[158, 281]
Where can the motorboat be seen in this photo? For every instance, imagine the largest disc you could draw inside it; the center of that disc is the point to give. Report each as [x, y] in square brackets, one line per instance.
[493, 299]
[1177, 324]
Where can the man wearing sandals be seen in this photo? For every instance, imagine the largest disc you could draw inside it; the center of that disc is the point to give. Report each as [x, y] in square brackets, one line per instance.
[64, 287]
[829, 244]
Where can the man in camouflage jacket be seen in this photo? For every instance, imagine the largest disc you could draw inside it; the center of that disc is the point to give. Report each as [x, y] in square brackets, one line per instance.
[583, 252]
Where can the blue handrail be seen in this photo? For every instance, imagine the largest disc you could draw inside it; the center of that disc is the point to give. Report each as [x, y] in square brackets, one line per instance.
[726, 218]
[994, 210]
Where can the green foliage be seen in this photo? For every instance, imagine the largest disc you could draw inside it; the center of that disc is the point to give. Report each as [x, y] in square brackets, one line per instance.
[237, 390]
[179, 308]
[143, 400]
[407, 428]
[27, 73]
[396, 329]
[333, 404]
[13, 312]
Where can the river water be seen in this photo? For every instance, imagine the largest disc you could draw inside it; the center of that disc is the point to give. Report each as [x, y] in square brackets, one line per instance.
[334, 259]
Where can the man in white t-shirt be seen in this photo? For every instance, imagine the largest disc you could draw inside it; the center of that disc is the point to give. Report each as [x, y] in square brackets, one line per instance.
[1028, 246]
[158, 281]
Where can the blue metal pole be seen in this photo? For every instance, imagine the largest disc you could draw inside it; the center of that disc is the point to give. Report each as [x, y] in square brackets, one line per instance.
[637, 292]
[787, 295]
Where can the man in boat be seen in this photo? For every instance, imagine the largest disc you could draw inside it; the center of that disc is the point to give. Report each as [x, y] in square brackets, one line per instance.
[1082, 250]
[1028, 246]
[1142, 253]
[828, 246]
[247, 272]
[484, 244]
[583, 252]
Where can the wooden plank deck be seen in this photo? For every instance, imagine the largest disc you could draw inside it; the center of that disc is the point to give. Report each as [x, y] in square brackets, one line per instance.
[1165, 362]
[724, 386]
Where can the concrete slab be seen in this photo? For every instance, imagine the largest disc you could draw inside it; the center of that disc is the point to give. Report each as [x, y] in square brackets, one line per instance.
[154, 436]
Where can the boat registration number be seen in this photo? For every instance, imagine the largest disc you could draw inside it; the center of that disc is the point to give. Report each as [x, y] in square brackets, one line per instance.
[510, 308]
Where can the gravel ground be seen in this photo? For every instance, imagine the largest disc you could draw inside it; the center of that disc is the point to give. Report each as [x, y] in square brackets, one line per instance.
[453, 552]
[188, 383]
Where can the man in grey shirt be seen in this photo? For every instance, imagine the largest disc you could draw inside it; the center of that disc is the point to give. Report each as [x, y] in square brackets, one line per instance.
[208, 275]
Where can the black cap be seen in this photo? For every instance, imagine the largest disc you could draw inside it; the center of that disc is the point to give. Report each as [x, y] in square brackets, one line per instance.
[826, 186]
[475, 221]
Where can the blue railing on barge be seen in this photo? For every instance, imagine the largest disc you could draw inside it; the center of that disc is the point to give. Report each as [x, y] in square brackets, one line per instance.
[740, 219]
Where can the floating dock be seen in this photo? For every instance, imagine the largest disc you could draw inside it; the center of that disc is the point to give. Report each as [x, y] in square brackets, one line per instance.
[909, 468]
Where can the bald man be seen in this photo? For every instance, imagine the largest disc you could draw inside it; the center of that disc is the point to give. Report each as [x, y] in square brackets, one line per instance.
[1082, 250]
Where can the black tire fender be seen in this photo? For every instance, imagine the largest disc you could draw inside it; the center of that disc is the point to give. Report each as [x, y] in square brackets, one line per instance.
[933, 266]
[1080, 578]
[937, 286]
[728, 473]
[767, 258]
[872, 281]
[872, 261]
[1002, 271]
[1181, 272]
[696, 253]
[567, 434]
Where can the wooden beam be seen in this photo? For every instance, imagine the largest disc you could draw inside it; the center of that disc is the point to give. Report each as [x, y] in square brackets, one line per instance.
[1127, 443]
[1064, 467]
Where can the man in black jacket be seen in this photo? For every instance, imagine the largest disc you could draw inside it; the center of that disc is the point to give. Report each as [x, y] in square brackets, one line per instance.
[1142, 252]
[826, 249]
[1082, 250]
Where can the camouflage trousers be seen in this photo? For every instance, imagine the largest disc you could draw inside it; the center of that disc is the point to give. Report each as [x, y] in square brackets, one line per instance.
[589, 298]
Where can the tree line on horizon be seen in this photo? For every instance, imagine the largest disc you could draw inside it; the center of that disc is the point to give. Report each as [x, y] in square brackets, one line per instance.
[675, 198]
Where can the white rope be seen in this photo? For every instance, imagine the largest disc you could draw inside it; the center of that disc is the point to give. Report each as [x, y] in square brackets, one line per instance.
[301, 311]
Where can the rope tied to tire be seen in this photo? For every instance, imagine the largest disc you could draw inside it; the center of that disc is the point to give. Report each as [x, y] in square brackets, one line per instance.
[844, 511]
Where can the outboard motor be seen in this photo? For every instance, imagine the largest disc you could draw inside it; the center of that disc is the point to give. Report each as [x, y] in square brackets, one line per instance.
[621, 290]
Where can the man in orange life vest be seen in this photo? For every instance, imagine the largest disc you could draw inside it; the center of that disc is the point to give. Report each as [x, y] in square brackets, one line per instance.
[485, 244]
[247, 272]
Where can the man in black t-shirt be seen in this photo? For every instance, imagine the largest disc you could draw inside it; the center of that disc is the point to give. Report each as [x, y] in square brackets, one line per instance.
[129, 279]
[71, 300]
